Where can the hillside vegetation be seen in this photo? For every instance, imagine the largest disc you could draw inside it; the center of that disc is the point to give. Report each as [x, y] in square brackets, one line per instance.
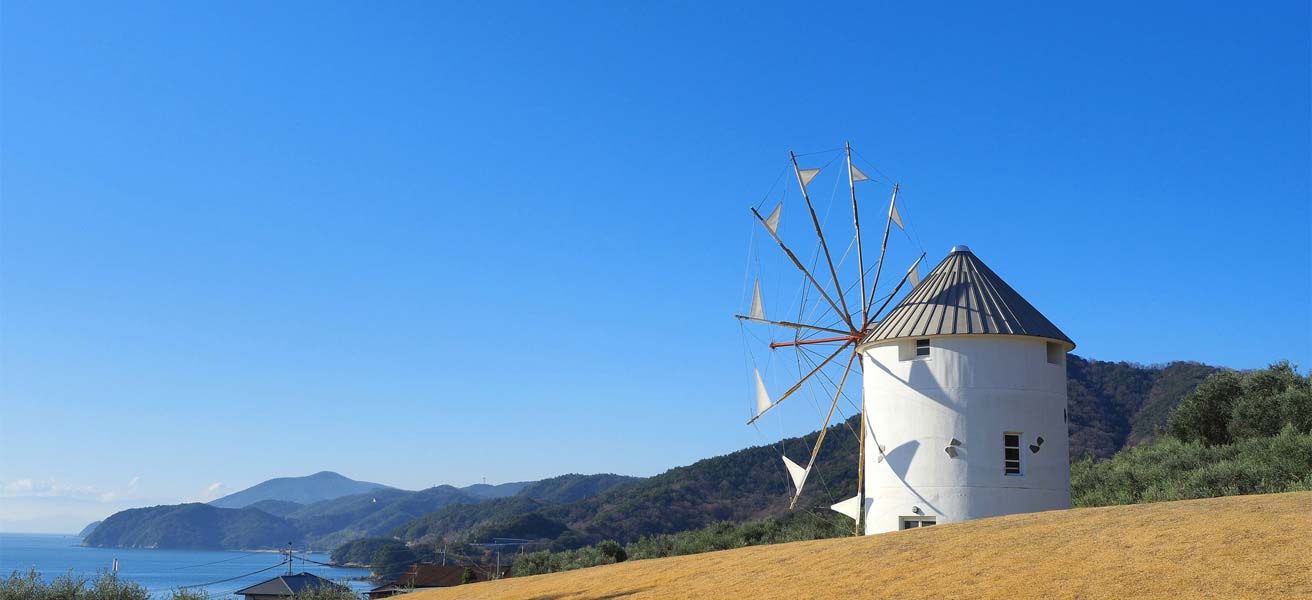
[1112, 404]
[191, 527]
[1212, 548]
[1118, 404]
[1219, 444]
[1237, 433]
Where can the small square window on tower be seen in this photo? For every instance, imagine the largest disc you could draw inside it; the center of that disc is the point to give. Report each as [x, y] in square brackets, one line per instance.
[922, 347]
[1011, 453]
[1055, 353]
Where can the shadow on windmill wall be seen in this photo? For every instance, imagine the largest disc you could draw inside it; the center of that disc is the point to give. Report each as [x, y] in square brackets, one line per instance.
[899, 459]
[920, 372]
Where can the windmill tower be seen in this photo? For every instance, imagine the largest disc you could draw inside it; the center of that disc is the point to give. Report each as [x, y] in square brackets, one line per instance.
[962, 384]
[967, 405]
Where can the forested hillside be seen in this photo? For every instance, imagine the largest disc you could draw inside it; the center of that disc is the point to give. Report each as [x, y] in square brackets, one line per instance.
[192, 527]
[1119, 404]
[1111, 405]
[572, 487]
[1236, 433]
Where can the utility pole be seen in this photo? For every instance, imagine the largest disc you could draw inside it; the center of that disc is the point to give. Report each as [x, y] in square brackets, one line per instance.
[289, 558]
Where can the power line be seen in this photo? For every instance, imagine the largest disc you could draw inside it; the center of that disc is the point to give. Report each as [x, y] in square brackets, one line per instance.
[301, 557]
[280, 563]
[219, 561]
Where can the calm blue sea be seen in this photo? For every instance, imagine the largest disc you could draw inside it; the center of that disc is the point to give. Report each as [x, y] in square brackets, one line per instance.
[157, 570]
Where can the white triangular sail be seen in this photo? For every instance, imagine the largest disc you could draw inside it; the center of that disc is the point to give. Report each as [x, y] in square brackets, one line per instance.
[914, 275]
[762, 396]
[892, 211]
[797, 472]
[856, 174]
[758, 309]
[852, 506]
[772, 221]
[806, 175]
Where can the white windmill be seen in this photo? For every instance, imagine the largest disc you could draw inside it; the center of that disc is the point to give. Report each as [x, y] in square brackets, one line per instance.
[963, 395]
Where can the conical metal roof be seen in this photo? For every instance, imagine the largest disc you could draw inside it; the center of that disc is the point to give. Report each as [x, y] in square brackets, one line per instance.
[963, 296]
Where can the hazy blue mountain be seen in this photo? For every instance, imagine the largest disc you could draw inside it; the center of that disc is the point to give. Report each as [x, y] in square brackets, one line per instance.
[88, 529]
[277, 508]
[489, 491]
[324, 485]
[322, 525]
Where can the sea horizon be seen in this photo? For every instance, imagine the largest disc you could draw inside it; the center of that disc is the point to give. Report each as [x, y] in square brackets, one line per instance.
[161, 570]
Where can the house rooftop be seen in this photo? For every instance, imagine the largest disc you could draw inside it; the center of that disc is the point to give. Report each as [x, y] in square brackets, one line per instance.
[288, 585]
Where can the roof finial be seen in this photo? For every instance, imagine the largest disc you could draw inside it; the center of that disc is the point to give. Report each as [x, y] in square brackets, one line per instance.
[960, 248]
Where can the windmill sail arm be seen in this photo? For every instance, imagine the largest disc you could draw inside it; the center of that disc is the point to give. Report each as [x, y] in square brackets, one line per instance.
[820, 234]
[824, 429]
[803, 269]
[874, 316]
[883, 247]
[798, 385]
[856, 226]
[790, 324]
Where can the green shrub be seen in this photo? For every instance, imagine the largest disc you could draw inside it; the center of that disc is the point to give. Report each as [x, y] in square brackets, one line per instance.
[1174, 470]
[1204, 415]
[1231, 406]
[106, 586]
[181, 594]
[327, 593]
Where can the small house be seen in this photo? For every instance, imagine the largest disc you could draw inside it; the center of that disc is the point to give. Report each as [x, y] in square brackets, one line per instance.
[287, 586]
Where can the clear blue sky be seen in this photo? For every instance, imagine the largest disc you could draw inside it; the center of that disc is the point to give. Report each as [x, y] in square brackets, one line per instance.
[425, 243]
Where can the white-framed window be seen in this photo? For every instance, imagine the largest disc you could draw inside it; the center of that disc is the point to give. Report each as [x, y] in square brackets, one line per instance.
[1056, 354]
[913, 350]
[916, 521]
[1011, 453]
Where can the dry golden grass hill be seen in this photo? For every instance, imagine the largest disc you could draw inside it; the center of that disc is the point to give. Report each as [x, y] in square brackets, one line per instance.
[1235, 547]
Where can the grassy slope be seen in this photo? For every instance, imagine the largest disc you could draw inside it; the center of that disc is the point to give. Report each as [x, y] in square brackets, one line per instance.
[1234, 547]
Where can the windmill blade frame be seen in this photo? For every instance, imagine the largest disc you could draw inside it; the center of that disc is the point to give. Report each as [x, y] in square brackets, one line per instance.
[813, 316]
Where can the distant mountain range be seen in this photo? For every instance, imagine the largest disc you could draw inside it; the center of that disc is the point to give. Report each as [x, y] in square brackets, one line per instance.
[272, 522]
[1112, 405]
[324, 485]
